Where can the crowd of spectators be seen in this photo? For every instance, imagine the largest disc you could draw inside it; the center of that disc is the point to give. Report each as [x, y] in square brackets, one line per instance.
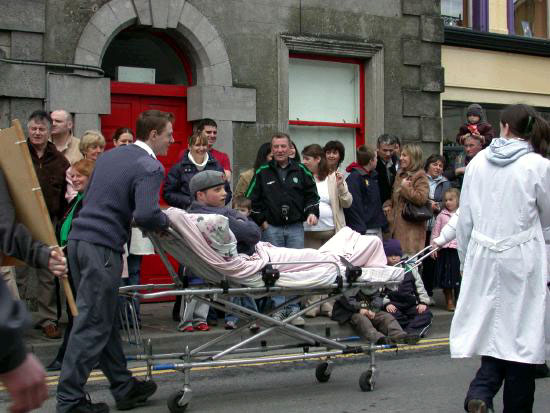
[285, 199]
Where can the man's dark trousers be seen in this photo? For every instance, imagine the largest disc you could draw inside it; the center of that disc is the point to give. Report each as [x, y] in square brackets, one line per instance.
[519, 384]
[96, 272]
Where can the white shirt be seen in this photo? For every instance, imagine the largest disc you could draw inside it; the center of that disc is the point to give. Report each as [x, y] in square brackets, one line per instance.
[145, 147]
[326, 220]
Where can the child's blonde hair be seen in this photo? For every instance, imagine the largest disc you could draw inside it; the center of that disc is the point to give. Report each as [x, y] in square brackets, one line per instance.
[454, 191]
[242, 202]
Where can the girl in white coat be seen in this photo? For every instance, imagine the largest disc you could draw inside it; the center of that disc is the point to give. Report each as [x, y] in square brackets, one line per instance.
[503, 312]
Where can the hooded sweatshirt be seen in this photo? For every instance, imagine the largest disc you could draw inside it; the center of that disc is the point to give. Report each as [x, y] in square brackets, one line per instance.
[365, 211]
[504, 151]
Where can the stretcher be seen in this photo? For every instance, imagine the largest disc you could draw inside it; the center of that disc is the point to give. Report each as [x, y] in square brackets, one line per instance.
[254, 348]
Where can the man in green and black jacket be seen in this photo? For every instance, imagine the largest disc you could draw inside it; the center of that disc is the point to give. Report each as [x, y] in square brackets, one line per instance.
[283, 195]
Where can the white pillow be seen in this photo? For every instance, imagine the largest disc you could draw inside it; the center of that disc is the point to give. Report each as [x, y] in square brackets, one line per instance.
[215, 230]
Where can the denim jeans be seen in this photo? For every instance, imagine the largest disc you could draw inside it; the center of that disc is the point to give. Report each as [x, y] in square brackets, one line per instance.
[288, 236]
[246, 302]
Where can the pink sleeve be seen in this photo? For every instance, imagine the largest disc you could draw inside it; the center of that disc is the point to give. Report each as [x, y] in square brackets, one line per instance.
[436, 230]
[70, 193]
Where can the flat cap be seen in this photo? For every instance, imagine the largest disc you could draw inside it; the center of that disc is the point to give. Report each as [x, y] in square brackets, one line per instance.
[205, 180]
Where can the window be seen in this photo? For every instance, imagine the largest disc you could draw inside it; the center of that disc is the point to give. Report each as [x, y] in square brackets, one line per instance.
[326, 102]
[528, 18]
[466, 13]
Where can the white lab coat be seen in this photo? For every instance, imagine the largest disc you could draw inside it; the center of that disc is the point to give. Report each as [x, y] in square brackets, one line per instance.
[503, 308]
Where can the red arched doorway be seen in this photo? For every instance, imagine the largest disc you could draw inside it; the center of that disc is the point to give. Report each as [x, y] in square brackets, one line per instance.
[152, 50]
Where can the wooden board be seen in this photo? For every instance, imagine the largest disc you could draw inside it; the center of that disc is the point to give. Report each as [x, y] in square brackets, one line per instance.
[28, 200]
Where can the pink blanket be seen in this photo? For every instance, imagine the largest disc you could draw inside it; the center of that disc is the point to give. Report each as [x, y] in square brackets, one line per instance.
[361, 250]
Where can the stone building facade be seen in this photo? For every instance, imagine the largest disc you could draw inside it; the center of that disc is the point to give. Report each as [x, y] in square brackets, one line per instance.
[238, 53]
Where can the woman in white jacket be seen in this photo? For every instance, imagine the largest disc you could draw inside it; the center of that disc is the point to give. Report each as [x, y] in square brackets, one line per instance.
[502, 314]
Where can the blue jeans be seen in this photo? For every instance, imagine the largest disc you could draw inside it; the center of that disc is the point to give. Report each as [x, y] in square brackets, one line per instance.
[246, 302]
[134, 273]
[288, 236]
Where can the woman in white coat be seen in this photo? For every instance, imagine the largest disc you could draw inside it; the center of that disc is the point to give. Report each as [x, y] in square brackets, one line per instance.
[502, 313]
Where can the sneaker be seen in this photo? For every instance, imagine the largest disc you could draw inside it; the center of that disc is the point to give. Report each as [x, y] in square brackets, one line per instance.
[138, 394]
[202, 327]
[280, 315]
[186, 329]
[425, 331]
[86, 406]
[230, 325]
[298, 321]
[254, 328]
[477, 406]
[411, 339]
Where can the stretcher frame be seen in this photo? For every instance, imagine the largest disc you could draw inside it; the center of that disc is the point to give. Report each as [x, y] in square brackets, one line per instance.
[217, 295]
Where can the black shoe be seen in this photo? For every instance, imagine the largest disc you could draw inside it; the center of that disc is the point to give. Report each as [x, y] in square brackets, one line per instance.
[411, 339]
[383, 341]
[542, 371]
[477, 406]
[54, 366]
[139, 393]
[86, 406]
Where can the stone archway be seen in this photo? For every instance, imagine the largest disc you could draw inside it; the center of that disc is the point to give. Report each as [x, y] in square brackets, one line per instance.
[212, 96]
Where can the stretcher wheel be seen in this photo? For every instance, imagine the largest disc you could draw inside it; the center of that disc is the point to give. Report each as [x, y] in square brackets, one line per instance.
[174, 401]
[322, 372]
[366, 381]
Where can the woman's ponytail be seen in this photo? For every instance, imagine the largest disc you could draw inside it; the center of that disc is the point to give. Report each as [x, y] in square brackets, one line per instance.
[524, 122]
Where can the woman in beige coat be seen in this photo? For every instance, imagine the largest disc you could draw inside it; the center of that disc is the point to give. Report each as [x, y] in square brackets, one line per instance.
[263, 156]
[411, 185]
[333, 198]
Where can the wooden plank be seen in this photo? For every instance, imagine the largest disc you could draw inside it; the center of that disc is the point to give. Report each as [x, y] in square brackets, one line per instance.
[27, 197]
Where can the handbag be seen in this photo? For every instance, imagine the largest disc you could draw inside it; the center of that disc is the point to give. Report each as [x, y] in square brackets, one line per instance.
[414, 213]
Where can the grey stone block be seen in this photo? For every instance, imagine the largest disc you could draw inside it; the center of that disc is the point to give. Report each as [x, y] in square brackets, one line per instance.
[386, 8]
[430, 128]
[223, 103]
[84, 122]
[106, 21]
[420, 7]
[143, 9]
[410, 76]
[205, 32]
[221, 74]
[5, 38]
[410, 26]
[216, 51]
[190, 18]
[123, 10]
[159, 12]
[23, 81]
[26, 46]
[224, 142]
[85, 57]
[79, 94]
[432, 78]
[417, 103]
[176, 7]
[5, 51]
[23, 15]
[408, 129]
[22, 108]
[4, 113]
[432, 29]
[93, 39]
[412, 52]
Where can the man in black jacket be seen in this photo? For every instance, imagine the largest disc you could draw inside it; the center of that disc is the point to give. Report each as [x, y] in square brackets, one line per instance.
[386, 165]
[21, 372]
[283, 195]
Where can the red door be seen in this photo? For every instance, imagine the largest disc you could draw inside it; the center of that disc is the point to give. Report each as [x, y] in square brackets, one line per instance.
[128, 100]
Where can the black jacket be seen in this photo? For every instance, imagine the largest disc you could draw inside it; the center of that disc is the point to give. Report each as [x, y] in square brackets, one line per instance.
[385, 180]
[176, 191]
[16, 241]
[366, 210]
[270, 195]
[246, 231]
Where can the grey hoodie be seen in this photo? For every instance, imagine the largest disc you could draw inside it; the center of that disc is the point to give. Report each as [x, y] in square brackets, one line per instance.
[504, 151]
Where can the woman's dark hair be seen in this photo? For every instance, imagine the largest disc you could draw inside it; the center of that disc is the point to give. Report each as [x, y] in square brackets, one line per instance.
[433, 159]
[336, 146]
[524, 122]
[297, 156]
[261, 157]
[315, 151]
[120, 131]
